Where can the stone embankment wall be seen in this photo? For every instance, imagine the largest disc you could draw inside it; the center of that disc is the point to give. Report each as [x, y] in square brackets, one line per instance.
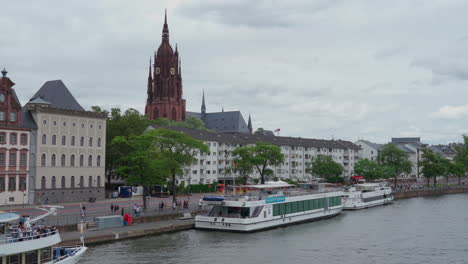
[430, 192]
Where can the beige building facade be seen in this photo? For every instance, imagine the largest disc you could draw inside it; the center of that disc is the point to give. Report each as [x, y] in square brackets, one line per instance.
[70, 143]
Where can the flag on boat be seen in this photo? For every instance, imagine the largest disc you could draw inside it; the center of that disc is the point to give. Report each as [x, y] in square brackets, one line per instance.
[277, 130]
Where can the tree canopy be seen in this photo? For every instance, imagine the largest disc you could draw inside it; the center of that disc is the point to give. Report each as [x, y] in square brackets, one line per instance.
[325, 167]
[370, 170]
[175, 150]
[433, 165]
[260, 157]
[396, 161]
[242, 163]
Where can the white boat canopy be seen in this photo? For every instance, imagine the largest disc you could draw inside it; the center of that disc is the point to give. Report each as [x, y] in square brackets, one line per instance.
[271, 185]
[8, 217]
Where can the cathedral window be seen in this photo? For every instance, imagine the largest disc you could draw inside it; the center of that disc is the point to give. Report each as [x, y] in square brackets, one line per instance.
[90, 141]
[72, 182]
[43, 182]
[90, 161]
[62, 160]
[82, 141]
[64, 140]
[73, 140]
[72, 160]
[98, 161]
[99, 142]
[62, 184]
[54, 182]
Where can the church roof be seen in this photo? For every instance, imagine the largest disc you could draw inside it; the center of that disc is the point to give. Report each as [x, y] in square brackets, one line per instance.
[231, 121]
[57, 95]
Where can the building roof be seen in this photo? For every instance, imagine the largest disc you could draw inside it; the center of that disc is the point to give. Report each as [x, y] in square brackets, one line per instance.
[27, 120]
[230, 121]
[246, 138]
[405, 149]
[371, 144]
[57, 95]
[406, 140]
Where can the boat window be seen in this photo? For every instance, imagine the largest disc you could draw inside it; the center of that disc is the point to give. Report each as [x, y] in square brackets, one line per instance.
[45, 255]
[31, 257]
[14, 259]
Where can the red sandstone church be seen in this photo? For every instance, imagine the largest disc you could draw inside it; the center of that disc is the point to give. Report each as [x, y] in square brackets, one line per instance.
[165, 96]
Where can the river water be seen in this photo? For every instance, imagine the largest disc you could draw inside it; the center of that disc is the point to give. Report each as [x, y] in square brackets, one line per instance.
[417, 230]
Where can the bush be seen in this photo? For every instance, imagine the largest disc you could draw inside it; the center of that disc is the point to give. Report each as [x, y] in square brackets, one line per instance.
[201, 188]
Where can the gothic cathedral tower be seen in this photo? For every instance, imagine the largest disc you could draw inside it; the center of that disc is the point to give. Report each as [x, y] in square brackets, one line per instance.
[165, 82]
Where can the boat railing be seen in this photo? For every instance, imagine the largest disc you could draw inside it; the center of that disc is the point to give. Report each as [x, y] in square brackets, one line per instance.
[257, 196]
[15, 237]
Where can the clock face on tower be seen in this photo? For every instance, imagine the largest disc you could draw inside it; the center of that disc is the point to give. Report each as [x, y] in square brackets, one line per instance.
[172, 71]
[158, 70]
[2, 97]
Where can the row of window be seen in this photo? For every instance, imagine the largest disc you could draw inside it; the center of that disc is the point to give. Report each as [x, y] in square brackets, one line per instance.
[63, 182]
[12, 116]
[12, 184]
[73, 124]
[12, 159]
[53, 160]
[72, 141]
[14, 138]
[301, 206]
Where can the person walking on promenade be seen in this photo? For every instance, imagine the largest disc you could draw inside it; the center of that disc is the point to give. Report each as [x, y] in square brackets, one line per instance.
[122, 212]
[112, 208]
[174, 205]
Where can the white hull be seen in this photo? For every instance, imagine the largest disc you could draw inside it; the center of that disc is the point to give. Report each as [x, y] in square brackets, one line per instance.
[252, 225]
[71, 259]
[363, 205]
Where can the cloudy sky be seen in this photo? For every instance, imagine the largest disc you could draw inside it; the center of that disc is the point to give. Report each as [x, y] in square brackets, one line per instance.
[347, 69]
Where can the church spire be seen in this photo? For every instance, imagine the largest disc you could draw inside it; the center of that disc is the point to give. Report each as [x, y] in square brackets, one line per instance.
[149, 75]
[165, 32]
[249, 125]
[203, 106]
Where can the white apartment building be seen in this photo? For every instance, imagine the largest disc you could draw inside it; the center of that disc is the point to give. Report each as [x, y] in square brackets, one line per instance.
[298, 153]
[69, 150]
[369, 150]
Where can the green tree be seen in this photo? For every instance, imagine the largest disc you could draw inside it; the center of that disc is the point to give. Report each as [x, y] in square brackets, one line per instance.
[259, 131]
[325, 167]
[369, 169]
[131, 122]
[175, 150]
[137, 163]
[462, 154]
[433, 165]
[243, 163]
[457, 169]
[260, 157]
[396, 161]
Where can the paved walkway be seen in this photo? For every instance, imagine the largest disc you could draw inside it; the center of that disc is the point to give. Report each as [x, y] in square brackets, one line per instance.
[125, 232]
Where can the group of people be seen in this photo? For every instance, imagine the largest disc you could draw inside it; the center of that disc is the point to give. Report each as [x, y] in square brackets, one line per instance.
[175, 205]
[26, 230]
[115, 208]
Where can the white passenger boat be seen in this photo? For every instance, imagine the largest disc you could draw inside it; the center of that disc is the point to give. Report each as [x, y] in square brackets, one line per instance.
[22, 241]
[367, 195]
[267, 206]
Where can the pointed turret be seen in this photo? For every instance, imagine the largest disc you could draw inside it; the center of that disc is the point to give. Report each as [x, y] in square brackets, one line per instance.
[203, 106]
[4, 73]
[165, 32]
[249, 125]
[150, 84]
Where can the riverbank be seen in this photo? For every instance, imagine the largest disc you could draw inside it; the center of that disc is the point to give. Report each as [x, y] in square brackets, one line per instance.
[100, 236]
[430, 192]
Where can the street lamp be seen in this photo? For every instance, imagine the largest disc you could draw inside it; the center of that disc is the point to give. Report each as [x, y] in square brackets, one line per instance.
[225, 169]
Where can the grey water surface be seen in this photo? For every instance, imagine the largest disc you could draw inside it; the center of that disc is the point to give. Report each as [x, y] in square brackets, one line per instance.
[418, 230]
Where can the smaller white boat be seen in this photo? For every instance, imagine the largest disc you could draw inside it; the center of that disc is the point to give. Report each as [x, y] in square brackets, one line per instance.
[365, 195]
[23, 242]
